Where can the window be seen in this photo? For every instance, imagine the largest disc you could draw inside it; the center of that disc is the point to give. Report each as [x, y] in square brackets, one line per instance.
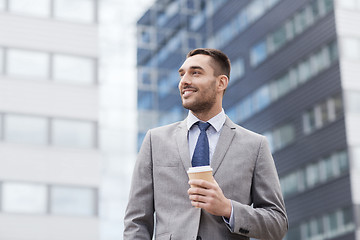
[327, 226]
[347, 217]
[304, 71]
[29, 64]
[1, 126]
[351, 48]
[294, 26]
[329, 5]
[309, 122]
[146, 100]
[312, 176]
[255, 9]
[146, 37]
[237, 70]
[73, 69]
[73, 201]
[314, 228]
[75, 10]
[353, 99]
[191, 6]
[1, 61]
[71, 133]
[24, 198]
[258, 53]
[197, 20]
[322, 114]
[301, 21]
[277, 39]
[349, 4]
[25, 129]
[2, 5]
[294, 233]
[321, 171]
[261, 98]
[280, 137]
[315, 11]
[34, 7]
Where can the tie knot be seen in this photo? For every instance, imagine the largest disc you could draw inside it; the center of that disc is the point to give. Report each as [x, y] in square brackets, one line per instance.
[203, 126]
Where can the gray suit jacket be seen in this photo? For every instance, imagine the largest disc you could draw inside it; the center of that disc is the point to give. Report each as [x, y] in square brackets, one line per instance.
[244, 169]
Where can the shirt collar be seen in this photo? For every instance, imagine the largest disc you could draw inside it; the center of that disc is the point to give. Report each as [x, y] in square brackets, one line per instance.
[216, 122]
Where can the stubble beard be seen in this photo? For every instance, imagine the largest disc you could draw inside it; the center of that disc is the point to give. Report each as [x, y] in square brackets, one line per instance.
[201, 104]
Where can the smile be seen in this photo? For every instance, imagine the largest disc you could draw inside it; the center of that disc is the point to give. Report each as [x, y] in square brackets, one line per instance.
[188, 92]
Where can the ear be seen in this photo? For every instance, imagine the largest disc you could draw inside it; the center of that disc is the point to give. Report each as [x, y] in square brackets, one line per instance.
[222, 83]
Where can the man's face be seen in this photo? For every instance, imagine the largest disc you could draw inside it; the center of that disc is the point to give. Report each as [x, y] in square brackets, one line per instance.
[198, 83]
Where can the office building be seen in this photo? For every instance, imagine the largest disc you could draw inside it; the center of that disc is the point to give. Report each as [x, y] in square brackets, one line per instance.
[49, 114]
[294, 78]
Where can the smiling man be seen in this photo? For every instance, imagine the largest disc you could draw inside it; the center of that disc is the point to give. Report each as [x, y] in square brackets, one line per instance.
[245, 199]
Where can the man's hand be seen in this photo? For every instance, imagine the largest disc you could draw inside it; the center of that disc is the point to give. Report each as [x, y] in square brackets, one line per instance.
[209, 196]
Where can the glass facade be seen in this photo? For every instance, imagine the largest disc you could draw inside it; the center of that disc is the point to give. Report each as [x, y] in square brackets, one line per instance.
[328, 226]
[73, 201]
[313, 12]
[240, 22]
[37, 65]
[322, 114]
[24, 129]
[23, 198]
[285, 83]
[27, 64]
[315, 173]
[72, 69]
[77, 11]
[280, 137]
[72, 133]
[38, 198]
[39, 8]
[1, 61]
[49, 151]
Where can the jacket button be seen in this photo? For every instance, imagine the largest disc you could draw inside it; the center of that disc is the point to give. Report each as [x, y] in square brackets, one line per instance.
[198, 238]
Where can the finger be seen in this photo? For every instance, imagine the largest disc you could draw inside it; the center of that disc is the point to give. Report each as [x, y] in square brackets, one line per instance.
[202, 183]
[198, 198]
[198, 204]
[198, 191]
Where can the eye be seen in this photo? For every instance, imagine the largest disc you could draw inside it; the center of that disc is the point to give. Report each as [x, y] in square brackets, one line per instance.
[196, 73]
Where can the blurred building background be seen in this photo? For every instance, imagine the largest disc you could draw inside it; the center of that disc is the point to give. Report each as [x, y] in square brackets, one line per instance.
[295, 78]
[68, 104]
[118, 114]
[67, 117]
[49, 104]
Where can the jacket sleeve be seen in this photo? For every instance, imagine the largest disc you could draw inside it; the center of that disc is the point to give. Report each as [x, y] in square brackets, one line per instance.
[139, 215]
[266, 218]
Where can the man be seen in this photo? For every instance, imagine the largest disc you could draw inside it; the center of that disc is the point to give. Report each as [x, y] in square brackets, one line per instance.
[245, 201]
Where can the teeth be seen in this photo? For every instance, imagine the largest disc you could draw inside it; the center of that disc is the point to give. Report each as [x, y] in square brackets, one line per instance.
[186, 93]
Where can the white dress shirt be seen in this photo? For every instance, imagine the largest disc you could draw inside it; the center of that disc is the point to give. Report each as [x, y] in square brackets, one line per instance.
[213, 134]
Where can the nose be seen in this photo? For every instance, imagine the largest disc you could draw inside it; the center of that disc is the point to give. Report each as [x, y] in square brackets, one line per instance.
[185, 79]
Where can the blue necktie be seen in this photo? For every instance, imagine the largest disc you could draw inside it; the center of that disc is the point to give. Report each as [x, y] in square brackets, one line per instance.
[201, 152]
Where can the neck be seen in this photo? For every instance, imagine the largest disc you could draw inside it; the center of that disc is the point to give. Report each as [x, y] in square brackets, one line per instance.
[207, 115]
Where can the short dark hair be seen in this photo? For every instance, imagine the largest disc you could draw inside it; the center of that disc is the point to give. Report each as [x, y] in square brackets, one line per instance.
[222, 62]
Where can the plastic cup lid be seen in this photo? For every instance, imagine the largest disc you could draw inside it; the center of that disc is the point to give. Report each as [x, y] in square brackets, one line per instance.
[199, 169]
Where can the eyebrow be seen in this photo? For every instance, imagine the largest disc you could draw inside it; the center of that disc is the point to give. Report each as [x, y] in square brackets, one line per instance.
[192, 67]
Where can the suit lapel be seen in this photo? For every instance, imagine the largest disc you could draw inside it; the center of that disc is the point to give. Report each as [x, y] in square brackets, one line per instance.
[225, 139]
[183, 145]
